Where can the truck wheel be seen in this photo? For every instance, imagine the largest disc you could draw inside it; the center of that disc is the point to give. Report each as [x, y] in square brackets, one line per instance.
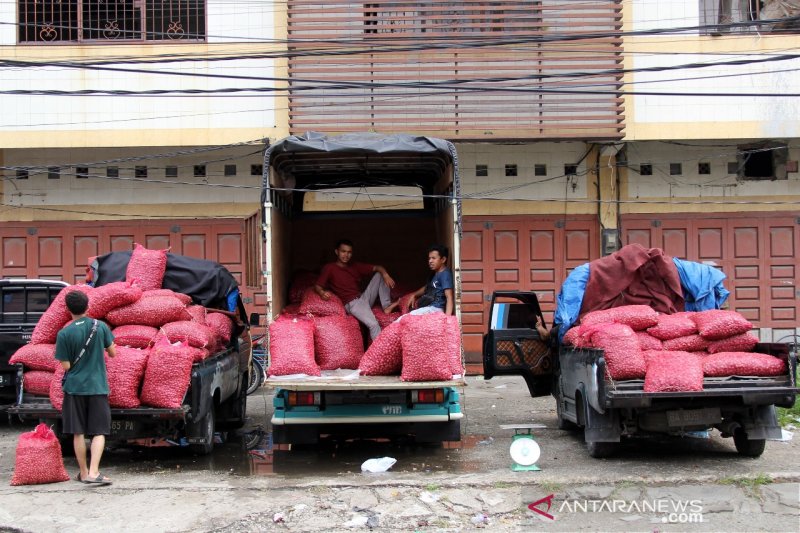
[747, 447]
[204, 427]
[601, 450]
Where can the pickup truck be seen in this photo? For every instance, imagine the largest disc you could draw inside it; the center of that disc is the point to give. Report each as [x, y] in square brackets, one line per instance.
[606, 410]
[22, 303]
[217, 394]
[393, 196]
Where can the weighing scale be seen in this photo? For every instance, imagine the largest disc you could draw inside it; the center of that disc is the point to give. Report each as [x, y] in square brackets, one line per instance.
[524, 450]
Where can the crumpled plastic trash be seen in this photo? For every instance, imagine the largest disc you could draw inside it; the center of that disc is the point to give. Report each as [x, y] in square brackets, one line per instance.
[427, 497]
[356, 521]
[278, 518]
[381, 464]
[786, 436]
[480, 518]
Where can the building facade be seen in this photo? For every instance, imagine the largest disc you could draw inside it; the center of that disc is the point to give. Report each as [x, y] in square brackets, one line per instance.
[580, 126]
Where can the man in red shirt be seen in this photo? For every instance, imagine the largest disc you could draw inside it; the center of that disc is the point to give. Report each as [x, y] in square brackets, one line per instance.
[343, 278]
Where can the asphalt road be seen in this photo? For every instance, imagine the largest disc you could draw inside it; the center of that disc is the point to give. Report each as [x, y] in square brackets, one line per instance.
[687, 484]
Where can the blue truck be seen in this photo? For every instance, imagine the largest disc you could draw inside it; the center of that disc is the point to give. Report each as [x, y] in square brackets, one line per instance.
[393, 196]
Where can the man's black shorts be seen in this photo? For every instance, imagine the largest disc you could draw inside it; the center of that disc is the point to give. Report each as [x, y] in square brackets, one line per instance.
[86, 415]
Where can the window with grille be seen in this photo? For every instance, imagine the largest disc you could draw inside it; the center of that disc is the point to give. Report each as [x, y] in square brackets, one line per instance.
[44, 21]
[718, 17]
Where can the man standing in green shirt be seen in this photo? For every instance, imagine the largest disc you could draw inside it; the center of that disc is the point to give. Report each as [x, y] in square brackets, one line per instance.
[79, 347]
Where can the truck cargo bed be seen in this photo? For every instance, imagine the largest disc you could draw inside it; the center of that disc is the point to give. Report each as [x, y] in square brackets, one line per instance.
[362, 382]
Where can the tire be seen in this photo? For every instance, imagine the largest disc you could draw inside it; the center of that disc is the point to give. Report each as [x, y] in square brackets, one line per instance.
[256, 377]
[601, 450]
[204, 427]
[234, 412]
[747, 447]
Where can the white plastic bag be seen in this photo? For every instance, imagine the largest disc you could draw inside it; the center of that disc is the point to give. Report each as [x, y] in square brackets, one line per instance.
[381, 464]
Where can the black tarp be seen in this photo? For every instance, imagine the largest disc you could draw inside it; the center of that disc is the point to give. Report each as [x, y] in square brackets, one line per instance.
[207, 282]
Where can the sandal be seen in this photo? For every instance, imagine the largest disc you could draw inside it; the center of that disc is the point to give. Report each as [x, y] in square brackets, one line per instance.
[78, 478]
[99, 480]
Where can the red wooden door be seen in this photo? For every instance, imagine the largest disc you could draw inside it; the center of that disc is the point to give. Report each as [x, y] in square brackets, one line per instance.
[756, 251]
[60, 250]
[529, 253]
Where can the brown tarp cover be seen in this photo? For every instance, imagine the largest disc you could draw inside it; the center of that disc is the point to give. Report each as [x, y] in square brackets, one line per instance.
[633, 276]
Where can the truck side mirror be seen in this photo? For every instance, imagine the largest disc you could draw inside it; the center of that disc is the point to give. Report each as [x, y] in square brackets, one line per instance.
[255, 319]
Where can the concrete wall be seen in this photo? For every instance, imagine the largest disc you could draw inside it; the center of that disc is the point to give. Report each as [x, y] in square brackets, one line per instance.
[676, 116]
[692, 191]
[237, 31]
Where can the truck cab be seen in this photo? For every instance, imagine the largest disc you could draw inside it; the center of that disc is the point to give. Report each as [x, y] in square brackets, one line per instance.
[22, 303]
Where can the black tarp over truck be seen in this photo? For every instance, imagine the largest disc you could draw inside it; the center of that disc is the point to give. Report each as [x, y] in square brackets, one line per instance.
[393, 196]
[217, 393]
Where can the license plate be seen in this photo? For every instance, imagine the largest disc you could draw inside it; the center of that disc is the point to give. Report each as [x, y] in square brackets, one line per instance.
[124, 428]
[694, 417]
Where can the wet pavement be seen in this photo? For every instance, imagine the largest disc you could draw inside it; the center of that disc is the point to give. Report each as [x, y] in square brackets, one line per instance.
[247, 484]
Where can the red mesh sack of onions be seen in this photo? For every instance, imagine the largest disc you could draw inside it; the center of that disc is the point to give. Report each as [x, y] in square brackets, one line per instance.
[38, 458]
[723, 364]
[301, 281]
[404, 304]
[155, 311]
[674, 372]
[291, 347]
[36, 357]
[717, 324]
[452, 344]
[37, 382]
[55, 317]
[291, 309]
[384, 357]
[222, 326]
[623, 355]
[198, 313]
[580, 336]
[185, 298]
[648, 342]
[146, 267]
[689, 343]
[167, 374]
[673, 326]
[56, 392]
[108, 297]
[134, 335]
[313, 304]
[197, 335]
[337, 342]
[125, 374]
[383, 318]
[744, 342]
[424, 356]
[638, 317]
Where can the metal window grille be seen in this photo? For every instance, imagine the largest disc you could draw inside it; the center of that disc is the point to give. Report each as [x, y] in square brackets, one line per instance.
[111, 20]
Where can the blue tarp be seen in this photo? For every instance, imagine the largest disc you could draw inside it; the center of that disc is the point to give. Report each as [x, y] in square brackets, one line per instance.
[570, 298]
[702, 285]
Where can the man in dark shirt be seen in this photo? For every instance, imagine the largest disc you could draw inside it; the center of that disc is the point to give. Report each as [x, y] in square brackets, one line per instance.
[343, 278]
[86, 410]
[440, 287]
